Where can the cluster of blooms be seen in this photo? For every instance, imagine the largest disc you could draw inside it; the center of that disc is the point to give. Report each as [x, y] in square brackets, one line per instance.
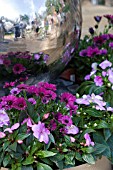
[19, 62]
[97, 48]
[59, 120]
[102, 74]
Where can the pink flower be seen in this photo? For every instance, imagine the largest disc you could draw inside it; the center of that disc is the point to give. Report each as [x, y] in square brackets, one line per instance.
[32, 89]
[67, 98]
[32, 101]
[20, 103]
[72, 130]
[66, 120]
[72, 139]
[15, 91]
[88, 140]
[105, 64]
[4, 118]
[98, 81]
[40, 132]
[2, 135]
[14, 127]
[28, 121]
[9, 101]
[18, 68]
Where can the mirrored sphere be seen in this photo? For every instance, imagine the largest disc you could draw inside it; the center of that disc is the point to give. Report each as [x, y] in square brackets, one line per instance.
[47, 26]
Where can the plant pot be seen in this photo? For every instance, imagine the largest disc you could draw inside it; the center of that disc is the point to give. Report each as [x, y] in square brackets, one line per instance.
[101, 164]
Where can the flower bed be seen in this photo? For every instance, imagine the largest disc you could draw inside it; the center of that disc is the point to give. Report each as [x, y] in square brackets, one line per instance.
[33, 117]
[15, 65]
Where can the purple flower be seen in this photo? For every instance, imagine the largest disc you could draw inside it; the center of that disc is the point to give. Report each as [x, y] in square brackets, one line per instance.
[83, 53]
[87, 77]
[88, 140]
[98, 81]
[40, 132]
[105, 64]
[111, 45]
[4, 118]
[32, 101]
[103, 52]
[46, 57]
[36, 56]
[97, 18]
[18, 68]
[72, 130]
[91, 31]
[15, 91]
[99, 40]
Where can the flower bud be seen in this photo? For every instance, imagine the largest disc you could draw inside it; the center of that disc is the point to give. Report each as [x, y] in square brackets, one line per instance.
[84, 113]
[20, 141]
[77, 95]
[95, 124]
[109, 84]
[85, 125]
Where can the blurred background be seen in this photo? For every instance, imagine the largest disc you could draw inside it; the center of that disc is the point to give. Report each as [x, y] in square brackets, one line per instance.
[91, 8]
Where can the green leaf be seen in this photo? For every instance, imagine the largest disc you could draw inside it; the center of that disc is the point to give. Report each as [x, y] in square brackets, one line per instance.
[88, 149]
[88, 158]
[94, 113]
[45, 154]
[99, 148]
[13, 146]
[102, 125]
[78, 156]
[41, 166]
[107, 134]
[22, 136]
[52, 138]
[6, 144]
[6, 160]
[69, 158]
[27, 168]
[29, 160]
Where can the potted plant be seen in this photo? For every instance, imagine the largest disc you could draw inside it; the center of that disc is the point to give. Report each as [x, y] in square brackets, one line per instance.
[43, 131]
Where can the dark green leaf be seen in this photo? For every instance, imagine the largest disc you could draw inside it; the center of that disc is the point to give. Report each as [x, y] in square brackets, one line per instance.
[45, 154]
[94, 112]
[88, 158]
[6, 160]
[99, 148]
[29, 160]
[13, 146]
[107, 134]
[22, 136]
[88, 149]
[41, 166]
[102, 125]
[27, 168]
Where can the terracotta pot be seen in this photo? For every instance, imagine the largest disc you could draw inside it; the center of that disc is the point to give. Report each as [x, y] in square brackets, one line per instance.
[102, 164]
